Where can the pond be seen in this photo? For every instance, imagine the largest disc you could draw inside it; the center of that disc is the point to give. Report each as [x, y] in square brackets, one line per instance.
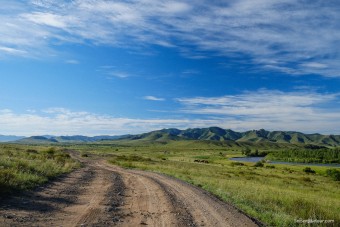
[257, 159]
[247, 159]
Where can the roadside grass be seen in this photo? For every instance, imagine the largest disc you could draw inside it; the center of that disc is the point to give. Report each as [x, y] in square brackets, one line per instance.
[25, 167]
[277, 195]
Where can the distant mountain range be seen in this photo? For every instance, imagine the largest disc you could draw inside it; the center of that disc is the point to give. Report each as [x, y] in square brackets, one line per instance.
[10, 138]
[206, 134]
[254, 136]
[66, 139]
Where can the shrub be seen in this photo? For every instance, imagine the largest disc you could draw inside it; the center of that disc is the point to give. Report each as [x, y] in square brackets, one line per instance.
[306, 179]
[258, 164]
[7, 178]
[237, 164]
[308, 170]
[49, 153]
[32, 151]
[26, 168]
[334, 174]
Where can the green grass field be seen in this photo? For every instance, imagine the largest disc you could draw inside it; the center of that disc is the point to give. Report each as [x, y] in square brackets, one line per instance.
[275, 194]
[25, 167]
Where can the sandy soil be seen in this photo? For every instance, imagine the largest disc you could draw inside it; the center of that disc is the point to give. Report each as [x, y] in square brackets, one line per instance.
[99, 194]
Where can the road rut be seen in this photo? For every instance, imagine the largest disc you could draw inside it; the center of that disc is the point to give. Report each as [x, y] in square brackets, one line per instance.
[99, 194]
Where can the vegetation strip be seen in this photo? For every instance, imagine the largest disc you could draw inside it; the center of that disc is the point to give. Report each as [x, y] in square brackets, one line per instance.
[25, 167]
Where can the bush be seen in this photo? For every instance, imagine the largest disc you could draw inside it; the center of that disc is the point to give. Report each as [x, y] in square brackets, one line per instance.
[22, 168]
[306, 179]
[308, 170]
[32, 151]
[237, 164]
[334, 174]
[258, 164]
[7, 178]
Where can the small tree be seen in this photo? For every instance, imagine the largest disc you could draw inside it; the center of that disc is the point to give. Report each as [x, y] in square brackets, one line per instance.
[246, 151]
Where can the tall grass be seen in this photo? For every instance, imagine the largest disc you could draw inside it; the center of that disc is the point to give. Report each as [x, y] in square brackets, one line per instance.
[23, 167]
[277, 195]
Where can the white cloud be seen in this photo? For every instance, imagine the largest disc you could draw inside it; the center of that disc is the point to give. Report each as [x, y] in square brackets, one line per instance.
[5, 111]
[47, 19]
[175, 7]
[307, 111]
[315, 65]
[12, 51]
[60, 121]
[72, 62]
[275, 110]
[153, 98]
[118, 74]
[282, 35]
[31, 111]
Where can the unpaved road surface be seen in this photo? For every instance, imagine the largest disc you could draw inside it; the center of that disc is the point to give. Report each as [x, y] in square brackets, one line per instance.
[100, 194]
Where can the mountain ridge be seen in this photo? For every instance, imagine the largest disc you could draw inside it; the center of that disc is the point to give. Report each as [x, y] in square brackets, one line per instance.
[255, 136]
[203, 134]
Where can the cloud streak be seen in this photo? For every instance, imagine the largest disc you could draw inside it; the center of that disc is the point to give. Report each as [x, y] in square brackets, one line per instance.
[270, 109]
[153, 98]
[60, 121]
[294, 37]
[273, 110]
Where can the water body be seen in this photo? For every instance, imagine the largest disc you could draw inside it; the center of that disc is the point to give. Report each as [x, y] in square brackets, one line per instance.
[257, 159]
[247, 159]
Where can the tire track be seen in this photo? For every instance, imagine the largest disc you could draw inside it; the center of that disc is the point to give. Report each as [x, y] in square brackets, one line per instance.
[205, 209]
[100, 194]
[186, 205]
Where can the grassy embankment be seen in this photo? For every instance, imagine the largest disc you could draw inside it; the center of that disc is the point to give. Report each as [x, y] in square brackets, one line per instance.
[25, 167]
[275, 194]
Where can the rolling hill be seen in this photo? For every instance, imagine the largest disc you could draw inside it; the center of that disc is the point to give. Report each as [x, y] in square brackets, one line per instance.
[201, 134]
[253, 136]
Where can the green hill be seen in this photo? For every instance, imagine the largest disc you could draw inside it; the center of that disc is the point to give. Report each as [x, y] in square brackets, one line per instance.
[253, 136]
[216, 134]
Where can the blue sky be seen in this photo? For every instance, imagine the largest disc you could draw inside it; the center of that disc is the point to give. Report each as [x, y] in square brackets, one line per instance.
[116, 67]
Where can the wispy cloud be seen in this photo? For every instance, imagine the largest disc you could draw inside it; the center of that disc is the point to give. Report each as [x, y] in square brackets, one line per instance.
[153, 98]
[118, 74]
[306, 111]
[12, 51]
[60, 121]
[294, 37]
[48, 19]
[72, 62]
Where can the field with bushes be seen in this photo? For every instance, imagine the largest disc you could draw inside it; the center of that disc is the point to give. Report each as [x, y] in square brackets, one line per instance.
[278, 195]
[25, 167]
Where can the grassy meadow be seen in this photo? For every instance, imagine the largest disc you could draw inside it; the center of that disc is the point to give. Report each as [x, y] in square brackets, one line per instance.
[277, 195]
[25, 167]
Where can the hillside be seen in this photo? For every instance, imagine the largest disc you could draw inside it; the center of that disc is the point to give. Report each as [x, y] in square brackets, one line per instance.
[253, 136]
[203, 134]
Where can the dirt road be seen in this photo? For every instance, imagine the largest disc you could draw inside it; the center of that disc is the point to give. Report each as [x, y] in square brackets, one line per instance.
[100, 194]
